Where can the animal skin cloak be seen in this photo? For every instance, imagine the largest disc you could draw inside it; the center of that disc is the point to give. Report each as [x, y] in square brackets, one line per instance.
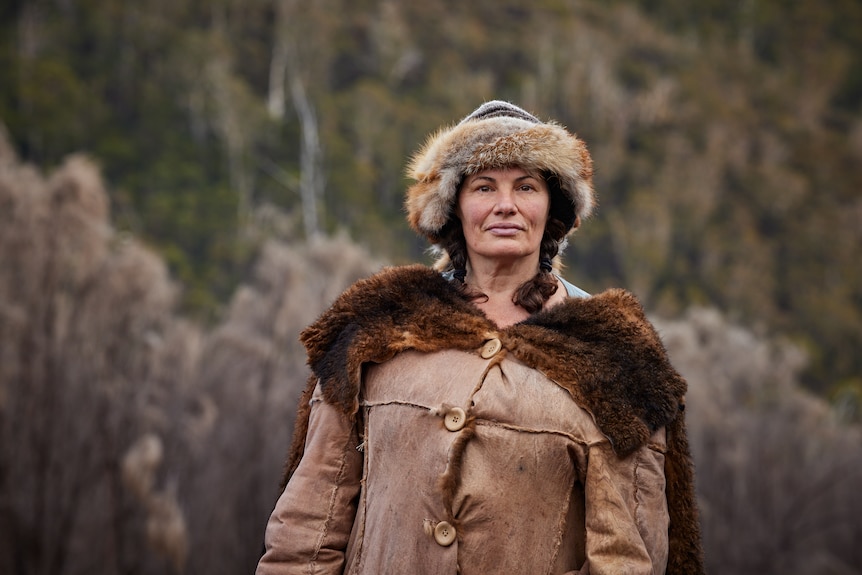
[601, 349]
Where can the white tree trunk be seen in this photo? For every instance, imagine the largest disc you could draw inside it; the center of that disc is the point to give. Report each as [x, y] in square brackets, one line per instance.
[286, 68]
[310, 179]
[275, 103]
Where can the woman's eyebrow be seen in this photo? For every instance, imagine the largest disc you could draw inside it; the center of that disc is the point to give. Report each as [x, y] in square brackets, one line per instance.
[490, 179]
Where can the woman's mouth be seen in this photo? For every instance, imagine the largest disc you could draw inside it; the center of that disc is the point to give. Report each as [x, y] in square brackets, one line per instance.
[504, 229]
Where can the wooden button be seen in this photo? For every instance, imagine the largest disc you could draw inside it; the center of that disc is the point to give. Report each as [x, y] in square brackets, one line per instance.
[455, 419]
[444, 534]
[491, 347]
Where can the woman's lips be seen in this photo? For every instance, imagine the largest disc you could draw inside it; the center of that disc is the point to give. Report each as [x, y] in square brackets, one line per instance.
[504, 229]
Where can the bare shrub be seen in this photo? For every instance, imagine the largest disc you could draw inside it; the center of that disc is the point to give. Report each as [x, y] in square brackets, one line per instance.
[85, 318]
[167, 532]
[140, 464]
[130, 441]
[778, 473]
[253, 368]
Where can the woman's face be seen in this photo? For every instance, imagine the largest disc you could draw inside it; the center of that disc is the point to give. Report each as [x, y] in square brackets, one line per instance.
[503, 213]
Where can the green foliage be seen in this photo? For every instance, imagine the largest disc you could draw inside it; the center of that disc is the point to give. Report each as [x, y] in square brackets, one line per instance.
[727, 138]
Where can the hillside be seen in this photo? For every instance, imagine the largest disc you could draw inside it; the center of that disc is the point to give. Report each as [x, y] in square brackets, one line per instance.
[728, 142]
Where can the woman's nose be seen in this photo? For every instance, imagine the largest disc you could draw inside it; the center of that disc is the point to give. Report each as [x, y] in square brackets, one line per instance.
[505, 202]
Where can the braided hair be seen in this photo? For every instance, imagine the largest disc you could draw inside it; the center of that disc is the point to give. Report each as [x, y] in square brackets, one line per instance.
[530, 295]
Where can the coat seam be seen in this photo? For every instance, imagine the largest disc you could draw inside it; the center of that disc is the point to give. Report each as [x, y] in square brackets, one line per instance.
[509, 427]
[339, 479]
[370, 404]
[561, 526]
[356, 560]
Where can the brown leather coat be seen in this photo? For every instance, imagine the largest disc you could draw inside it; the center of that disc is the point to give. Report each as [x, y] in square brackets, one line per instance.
[431, 441]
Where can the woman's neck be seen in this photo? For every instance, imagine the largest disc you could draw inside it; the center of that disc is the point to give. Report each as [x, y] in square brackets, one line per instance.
[501, 277]
[499, 283]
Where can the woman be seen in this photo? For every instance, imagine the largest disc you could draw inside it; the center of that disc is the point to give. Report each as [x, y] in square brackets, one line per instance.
[491, 418]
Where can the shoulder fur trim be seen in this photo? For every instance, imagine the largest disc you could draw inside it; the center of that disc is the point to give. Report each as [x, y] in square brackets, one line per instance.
[601, 349]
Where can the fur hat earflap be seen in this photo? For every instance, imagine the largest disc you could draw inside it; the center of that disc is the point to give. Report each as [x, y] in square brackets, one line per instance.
[498, 135]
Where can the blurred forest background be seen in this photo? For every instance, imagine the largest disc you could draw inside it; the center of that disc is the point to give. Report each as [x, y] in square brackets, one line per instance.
[185, 185]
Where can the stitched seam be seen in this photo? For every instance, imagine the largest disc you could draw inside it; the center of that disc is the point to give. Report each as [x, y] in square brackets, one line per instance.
[394, 402]
[510, 427]
[360, 538]
[558, 537]
[493, 362]
[339, 478]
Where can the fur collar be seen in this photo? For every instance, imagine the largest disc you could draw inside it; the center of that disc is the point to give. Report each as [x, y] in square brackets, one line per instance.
[601, 349]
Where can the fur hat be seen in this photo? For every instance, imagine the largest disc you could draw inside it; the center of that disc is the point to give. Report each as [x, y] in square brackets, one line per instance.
[497, 135]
